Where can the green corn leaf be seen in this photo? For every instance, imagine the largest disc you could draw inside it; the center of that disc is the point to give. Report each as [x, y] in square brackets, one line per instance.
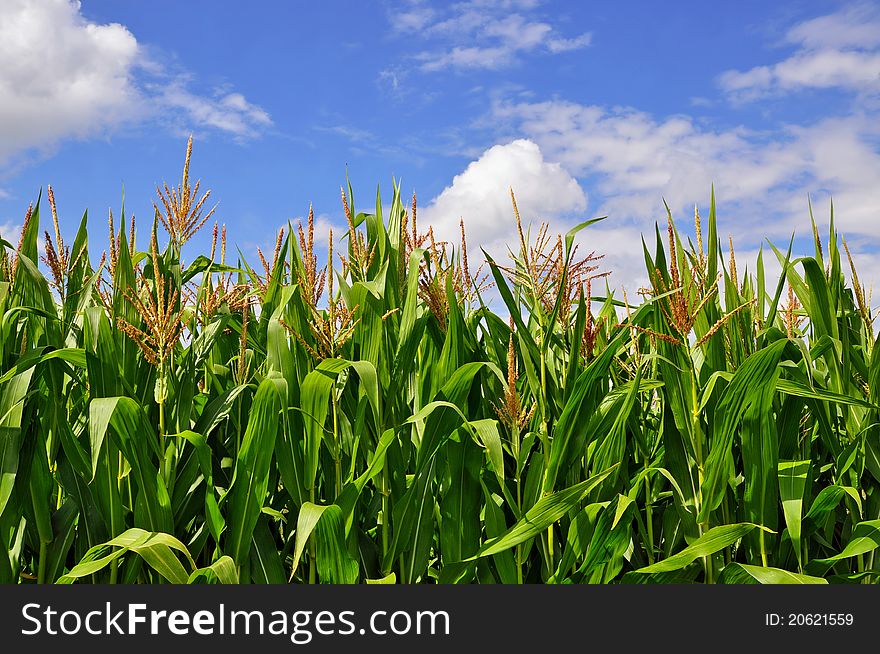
[156, 549]
[251, 477]
[714, 540]
[742, 573]
[865, 538]
[792, 482]
[222, 571]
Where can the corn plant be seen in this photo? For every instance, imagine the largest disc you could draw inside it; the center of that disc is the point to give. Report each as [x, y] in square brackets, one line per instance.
[367, 416]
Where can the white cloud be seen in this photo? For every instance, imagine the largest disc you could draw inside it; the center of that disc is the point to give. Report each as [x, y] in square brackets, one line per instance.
[822, 69]
[545, 192]
[633, 160]
[480, 196]
[466, 58]
[229, 112]
[390, 78]
[842, 162]
[630, 160]
[856, 25]
[10, 231]
[481, 35]
[63, 76]
[413, 18]
[60, 75]
[839, 50]
[518, 32]
[555, 45]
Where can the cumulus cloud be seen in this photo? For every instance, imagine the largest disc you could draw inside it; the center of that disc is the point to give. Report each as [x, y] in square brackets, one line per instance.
[480, 196]
[545, 192]
[63, 76]
[480, 35]
[60, 75]
[839, 50]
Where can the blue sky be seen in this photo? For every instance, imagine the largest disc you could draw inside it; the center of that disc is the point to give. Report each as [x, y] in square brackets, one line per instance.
[584, 108]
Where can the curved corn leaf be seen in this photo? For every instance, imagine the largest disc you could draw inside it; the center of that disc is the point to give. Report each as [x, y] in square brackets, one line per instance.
[156, 548]
[714, 540]
[222, 571]
[742, 573]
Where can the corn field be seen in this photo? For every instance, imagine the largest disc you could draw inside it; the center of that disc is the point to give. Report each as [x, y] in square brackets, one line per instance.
[168, 416]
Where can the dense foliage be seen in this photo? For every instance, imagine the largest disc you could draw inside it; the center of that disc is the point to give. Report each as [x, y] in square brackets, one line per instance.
[171, 417]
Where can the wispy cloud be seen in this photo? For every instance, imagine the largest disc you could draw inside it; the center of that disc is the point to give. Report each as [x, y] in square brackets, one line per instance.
[353, 134]
[839, 50]
[363, 142]
[391, 79]
[63, 76]
[480, 35]
[854, 26]
[226, 112]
